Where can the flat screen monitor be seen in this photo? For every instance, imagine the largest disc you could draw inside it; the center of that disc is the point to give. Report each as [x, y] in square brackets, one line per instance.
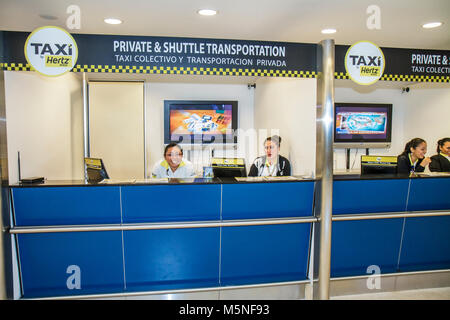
[362, 125]
[228, 167]
[95, 170]
[378, 165]
[200, 122]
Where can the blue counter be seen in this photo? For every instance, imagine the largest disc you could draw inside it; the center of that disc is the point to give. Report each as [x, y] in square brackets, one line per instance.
[139, 260]
[162, 259]
[393, 245]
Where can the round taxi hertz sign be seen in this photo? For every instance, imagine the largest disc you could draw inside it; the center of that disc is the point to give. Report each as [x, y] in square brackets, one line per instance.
[51, 51]
[364, 62]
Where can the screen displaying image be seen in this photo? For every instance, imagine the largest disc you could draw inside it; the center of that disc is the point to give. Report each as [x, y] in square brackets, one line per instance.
[200, 121]
[361, 122]
[358, 122]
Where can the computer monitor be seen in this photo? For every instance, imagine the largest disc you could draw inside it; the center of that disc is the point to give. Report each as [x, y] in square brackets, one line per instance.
[95, 170]
[228, 167]
[362, 125]
[200, 121]
[378, 165]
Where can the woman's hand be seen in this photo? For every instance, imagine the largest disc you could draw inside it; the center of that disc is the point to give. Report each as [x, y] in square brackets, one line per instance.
[426, 161]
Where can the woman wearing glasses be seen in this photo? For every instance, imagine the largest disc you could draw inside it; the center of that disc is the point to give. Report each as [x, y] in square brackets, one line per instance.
[173, 165]
[271, 164]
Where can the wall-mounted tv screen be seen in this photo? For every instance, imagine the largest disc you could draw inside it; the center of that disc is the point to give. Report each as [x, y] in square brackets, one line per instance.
[200, 121]
[364, 125]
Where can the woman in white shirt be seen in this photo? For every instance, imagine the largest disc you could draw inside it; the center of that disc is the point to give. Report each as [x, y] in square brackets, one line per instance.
[173, 165]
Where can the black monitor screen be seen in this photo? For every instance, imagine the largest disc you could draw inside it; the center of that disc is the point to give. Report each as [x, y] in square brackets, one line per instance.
[362, 122]
[378, 164]
[366, 169]
[228, 167]
[200, 121]
[229, 172]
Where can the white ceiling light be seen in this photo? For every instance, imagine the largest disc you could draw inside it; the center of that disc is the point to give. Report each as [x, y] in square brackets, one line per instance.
[432, 25]
[207, 12]
[328, 31]
[112, 21]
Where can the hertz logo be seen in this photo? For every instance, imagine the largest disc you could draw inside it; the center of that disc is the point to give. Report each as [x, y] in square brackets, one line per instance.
[369, 71]
[364, 62]
[58, 61]
[51, 51]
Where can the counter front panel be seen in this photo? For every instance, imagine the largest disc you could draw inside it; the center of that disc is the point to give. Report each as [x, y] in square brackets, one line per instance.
[369, 196]
[267, 200]
[356, 245]
[426, 244]
[262, 254]
[74, 263]
[165, 203]
[429, 194]
[171, 259]
[37, 206]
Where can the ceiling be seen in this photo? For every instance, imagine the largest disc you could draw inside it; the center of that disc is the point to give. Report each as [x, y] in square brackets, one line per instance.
[282, 20]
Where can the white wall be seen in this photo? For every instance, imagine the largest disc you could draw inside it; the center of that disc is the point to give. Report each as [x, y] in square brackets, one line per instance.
[287, 106]
[157, 92]
[45, 123]
[116, 127]
[420, 113]
[45, 119]
[428, 113]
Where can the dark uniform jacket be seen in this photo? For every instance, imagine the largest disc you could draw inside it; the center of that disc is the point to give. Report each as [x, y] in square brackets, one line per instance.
[404, 166]
[439, 163]
[283, 167]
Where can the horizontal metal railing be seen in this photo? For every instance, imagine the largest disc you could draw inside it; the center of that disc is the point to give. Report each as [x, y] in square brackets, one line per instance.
[390, 215]
[159, 225]
[223, 223]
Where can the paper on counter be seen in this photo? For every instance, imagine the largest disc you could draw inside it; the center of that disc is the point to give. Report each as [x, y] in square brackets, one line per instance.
[152, 180]
[117, 181]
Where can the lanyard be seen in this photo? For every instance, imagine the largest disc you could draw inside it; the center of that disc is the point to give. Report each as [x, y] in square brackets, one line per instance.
[413, 165]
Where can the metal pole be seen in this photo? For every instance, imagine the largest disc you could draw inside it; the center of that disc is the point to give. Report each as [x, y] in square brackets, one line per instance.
[87, 152]
[324, 161]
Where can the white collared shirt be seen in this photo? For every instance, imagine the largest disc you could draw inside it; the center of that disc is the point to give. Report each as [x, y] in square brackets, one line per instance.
[269, 169]
[161, 169]
[445, 156]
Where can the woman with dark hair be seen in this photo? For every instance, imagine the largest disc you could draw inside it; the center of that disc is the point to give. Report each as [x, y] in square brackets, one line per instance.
[173, 165]
[413, 159]
[441, 161]
[271, 164]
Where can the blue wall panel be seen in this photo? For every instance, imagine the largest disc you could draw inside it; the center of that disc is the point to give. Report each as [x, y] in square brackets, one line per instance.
[45, 259]
[260, 254]
[66, 205]
[429, 194]
[426, 244]
[367, 196]
[267, 200]
[171, 259]
[358, 244]
[164, 203]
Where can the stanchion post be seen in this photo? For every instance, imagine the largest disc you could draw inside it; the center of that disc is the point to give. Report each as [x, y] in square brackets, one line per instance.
[324, 169]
